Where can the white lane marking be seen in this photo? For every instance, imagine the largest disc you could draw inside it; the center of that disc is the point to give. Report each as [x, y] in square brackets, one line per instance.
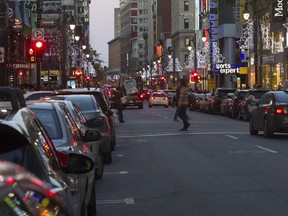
[232, 137]
[114, 173]
[119, 155]
[181, 134]
[266, 149]
[242, 152]
[127, 201]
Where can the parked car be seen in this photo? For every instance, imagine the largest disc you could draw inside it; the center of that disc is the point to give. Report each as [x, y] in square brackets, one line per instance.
[270, 114]
[95, 119]
[217, 98]
[244, 113]
[26, 143]
[82, 126]
[103, 103]
[21, 191]
[158, 99]
[225, 104]
[66, 136]
[36, 95]
[204, 103]
[194, 100]
[238, 96]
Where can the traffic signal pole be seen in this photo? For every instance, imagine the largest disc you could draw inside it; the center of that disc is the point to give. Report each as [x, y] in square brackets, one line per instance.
[38, 63]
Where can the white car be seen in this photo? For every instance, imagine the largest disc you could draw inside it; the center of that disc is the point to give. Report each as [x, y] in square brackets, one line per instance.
[158, 99]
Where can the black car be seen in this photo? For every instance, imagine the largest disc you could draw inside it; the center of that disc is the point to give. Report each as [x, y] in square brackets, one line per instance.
[25, 142]
[270, 114]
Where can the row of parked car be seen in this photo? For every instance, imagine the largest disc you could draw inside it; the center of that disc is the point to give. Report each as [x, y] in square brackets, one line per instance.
[265, 110]
[61, 142]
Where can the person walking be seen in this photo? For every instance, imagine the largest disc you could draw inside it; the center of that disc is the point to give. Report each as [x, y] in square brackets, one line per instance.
[182, 103]
[117, 95]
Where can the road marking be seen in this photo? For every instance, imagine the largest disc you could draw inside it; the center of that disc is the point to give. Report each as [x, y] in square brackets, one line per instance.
[181, 134]
[113, 173]
[127, 201]
[266, 149]
[242, 152]
[119, 155]
[232, 137]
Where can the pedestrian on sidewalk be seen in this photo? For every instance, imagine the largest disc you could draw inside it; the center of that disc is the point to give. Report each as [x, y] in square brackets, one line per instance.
[183, 103]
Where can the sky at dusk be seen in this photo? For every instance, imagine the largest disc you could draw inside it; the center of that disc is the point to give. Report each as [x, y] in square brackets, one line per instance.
[102, 26]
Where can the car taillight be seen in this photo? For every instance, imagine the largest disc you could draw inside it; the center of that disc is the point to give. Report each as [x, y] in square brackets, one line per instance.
[63, 157]
[280, 110]
[165, 98]
[141, 96]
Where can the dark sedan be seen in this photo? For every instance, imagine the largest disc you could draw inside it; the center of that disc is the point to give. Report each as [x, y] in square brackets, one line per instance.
[270, 114]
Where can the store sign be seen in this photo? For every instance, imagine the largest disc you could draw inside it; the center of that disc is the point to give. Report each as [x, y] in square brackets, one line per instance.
[279, 8]
[227, 68]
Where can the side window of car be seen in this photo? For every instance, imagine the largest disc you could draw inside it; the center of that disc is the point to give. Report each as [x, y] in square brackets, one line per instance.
[44, 145]
[71, 124]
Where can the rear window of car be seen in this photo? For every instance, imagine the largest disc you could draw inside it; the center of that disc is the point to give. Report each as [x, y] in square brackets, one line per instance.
[50, 121]
[282, 98]
[159, 95]
[258, 94]
[84, 104]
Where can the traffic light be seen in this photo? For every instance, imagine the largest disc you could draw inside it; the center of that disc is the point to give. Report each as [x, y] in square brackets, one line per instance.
[87, 78]
[20, 73]
[31, 54]
[39, 50]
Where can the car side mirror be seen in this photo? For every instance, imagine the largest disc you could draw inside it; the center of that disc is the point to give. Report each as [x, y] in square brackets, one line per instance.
[92, 135]
[75, 163]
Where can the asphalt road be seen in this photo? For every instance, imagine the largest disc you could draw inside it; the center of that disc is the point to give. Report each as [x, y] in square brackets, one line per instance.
[214, 169]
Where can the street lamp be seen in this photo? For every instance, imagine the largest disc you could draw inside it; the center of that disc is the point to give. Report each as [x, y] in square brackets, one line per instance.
[195, 58]
[256, 24]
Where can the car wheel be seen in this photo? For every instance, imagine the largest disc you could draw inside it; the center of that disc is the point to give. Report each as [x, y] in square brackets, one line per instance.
[107, 158]
[233, 115]
[267, 131]
[91, 208]
[150, 106]
[140, 106]
[166, 106]
[100, 169]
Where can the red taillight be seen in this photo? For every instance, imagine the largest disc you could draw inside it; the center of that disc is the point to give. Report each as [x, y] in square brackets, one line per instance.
[279, 110]
[141, 96]
[10, 181]
[63, 157]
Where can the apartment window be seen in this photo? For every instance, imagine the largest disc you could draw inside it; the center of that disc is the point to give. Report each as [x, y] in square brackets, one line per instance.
[186, 23]
[186, 5]
[187, 41]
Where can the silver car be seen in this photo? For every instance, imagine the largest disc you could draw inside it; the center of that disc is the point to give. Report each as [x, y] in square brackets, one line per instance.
[66, 136]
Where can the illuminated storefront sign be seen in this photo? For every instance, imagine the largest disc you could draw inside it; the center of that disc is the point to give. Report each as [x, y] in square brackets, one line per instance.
[227, 68]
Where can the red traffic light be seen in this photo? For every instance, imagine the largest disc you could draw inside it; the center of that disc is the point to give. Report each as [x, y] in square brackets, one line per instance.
[87, 78]
[39, 44]
[20, 73]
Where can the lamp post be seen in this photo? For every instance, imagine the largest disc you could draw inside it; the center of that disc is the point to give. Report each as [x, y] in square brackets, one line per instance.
[256, 24]
[195, 59]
